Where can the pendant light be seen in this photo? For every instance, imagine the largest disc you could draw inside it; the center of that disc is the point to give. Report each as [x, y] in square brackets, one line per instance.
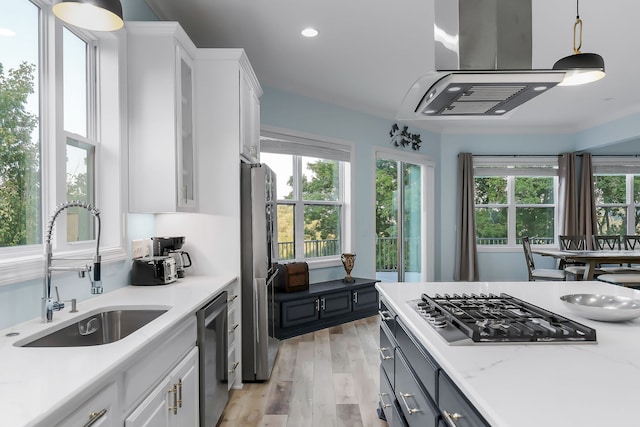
[96, 15]
[580, 67]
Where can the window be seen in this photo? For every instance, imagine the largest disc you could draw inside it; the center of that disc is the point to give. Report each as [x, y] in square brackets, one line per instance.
[20, 153]
[515, 197]
[54, 82]
[79, 116]
[311, 180]
[617, 193]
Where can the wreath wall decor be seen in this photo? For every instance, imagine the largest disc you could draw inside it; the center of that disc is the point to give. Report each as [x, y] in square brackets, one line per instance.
[402, 137]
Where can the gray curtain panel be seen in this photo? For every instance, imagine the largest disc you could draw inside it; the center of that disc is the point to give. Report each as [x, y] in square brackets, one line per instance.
[466, 267]
[568, 195]
[587, 210]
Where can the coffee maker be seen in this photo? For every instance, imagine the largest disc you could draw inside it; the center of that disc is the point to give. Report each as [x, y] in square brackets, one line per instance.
[170, 246]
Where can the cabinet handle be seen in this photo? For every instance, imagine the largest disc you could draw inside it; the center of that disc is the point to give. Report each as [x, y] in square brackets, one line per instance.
[94, 417]
[384, 315]
[411, 411]
[174, 408]
[233, 370]
[324, 306]
[384, 405]
[450, 418]
[355, 297]
[232, 299]
[233, 329]
[180, 393]
[382, 349]
[317, 304]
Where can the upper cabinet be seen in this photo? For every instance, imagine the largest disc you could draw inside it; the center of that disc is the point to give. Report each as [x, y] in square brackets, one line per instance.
[162, 144]
[249, 119]
[228, 126]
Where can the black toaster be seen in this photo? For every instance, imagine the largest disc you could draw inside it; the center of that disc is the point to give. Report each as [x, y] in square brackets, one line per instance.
[153, 270]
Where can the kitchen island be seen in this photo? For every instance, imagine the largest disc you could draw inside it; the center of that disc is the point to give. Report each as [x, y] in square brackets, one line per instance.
[538, 384]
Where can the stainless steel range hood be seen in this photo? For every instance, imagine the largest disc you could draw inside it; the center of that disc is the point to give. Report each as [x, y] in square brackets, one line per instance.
[483, 52]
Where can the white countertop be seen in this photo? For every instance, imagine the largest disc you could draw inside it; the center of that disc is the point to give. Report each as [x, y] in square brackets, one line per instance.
[36, 381]
[533, 385]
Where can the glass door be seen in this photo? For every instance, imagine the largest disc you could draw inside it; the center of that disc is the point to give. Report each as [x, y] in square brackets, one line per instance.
[399, 220]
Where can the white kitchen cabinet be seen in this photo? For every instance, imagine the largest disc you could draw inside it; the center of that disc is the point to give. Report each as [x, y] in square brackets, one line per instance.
[99, 411]
[162, 144]
[174, 402]
[249, 119]
[227, 124]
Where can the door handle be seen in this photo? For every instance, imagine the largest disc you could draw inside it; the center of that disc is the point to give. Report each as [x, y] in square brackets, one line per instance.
[382, 349]
[450, 418]
[94, 417]
[410, 410]
[384, 315]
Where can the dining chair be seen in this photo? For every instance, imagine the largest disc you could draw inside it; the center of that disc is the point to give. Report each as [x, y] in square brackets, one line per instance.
[631, 242]
[572, 243]
[612, 243]
[539, 273]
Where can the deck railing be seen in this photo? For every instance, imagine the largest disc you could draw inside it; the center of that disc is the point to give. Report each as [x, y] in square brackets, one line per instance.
[312, 248]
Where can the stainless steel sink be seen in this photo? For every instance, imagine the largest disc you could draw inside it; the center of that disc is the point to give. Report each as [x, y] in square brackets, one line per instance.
[99, 328]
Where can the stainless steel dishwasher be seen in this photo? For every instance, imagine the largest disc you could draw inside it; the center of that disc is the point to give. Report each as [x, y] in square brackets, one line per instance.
[212, 344]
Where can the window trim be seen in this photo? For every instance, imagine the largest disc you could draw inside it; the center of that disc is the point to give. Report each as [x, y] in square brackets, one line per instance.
[621, 166]
[20, 264]
[499, 167]
[310, 145]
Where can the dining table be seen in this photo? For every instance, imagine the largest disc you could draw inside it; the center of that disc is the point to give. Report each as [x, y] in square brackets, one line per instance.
[590, 258]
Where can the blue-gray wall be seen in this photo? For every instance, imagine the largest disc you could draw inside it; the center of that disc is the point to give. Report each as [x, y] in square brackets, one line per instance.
[285, 110]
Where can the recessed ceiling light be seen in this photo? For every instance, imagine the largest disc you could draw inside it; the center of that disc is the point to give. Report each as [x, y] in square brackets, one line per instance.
[501, 111]
[540, 88]
[309, 32]
[454, 88]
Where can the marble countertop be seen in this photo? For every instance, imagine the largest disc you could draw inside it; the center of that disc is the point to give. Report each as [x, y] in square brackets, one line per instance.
[36, 381]
[532, 385]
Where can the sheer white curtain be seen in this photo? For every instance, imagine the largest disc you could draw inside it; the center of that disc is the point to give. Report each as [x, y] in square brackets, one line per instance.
[466, 266]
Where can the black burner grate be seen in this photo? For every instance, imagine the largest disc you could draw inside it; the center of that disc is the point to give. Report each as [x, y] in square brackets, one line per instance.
[503, 318]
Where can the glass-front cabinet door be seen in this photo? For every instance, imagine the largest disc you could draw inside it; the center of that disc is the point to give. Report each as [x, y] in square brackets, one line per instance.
[186, 178]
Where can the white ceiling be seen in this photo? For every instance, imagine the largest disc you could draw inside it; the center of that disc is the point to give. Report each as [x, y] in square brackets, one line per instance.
[369, 52]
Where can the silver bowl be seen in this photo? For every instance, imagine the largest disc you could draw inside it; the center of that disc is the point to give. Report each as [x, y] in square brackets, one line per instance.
[606, 308]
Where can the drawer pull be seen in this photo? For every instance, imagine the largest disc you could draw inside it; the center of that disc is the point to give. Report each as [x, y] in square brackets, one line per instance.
[411, 411]
[233, 329]
[173, 408]
[94, 417]
[382, 350]
[180, 393]
[384, 315]
[384, 405]
[450, 418]
[233, 370]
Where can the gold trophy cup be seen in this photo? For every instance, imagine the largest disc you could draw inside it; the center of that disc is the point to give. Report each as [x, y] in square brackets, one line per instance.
[348, 260]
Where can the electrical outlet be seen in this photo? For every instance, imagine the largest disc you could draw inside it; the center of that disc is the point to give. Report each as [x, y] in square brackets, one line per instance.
[140, 248]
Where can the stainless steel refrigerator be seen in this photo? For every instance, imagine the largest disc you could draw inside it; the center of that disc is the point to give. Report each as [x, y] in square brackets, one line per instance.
[259, 256]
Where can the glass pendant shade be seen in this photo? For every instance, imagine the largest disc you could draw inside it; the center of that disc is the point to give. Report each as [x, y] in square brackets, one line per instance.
[96, 15]
[580, 68]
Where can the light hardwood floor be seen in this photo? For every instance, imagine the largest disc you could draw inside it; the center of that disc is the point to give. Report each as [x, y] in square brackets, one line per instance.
[325, 378]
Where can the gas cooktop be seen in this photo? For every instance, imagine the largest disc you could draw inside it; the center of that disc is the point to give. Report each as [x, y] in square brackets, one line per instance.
[497, 319]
